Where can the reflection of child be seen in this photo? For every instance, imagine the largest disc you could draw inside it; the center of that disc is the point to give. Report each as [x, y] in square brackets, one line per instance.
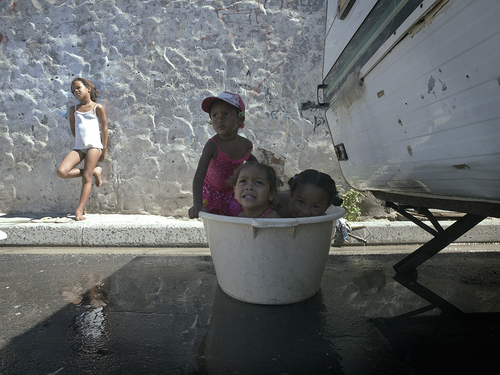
[221, 155]
[311, 193]
[255, 187]
[90, 325]
[85, 120]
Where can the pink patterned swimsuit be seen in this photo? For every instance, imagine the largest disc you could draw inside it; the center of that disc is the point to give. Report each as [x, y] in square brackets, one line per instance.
[217, 194]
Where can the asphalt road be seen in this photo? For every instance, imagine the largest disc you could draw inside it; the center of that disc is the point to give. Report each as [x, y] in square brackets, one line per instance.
[148, 311]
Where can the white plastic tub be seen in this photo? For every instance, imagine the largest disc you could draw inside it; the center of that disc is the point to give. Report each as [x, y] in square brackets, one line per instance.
[270, 261]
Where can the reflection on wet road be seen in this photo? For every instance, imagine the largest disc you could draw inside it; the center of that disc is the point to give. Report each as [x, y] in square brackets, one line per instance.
[247, 338]
[161, 314]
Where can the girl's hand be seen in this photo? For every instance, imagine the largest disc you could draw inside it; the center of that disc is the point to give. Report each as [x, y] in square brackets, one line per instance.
[195, 210]
[103, 155]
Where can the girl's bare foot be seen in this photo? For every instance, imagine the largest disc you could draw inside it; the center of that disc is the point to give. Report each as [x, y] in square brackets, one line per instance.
[79, 216]
[97, 175]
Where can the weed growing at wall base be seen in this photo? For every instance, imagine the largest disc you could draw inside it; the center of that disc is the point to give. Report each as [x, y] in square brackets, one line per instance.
[351, 200]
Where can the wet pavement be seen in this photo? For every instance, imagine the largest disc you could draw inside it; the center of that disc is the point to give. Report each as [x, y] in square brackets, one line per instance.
[126, 311]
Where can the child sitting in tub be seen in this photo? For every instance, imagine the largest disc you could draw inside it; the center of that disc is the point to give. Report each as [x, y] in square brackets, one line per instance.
[255, 186]
[311, 193]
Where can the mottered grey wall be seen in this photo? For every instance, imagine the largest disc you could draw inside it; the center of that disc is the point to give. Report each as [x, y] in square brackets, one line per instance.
[154, 62]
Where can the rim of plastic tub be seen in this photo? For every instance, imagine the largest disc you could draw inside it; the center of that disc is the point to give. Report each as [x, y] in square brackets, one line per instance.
[333, 213]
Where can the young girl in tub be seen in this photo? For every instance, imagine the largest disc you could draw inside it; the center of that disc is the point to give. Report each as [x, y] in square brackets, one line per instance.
[255, 186]
[311, 193]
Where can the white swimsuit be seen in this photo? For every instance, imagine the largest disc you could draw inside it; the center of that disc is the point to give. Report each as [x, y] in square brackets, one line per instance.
[87, 134]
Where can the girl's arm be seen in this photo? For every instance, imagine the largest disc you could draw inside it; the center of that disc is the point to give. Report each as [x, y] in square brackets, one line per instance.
[251, 157]
[72, 120]
[199, 178]
[104, 129]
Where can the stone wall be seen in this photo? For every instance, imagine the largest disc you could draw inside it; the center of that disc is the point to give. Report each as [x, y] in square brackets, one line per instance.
[154, 62]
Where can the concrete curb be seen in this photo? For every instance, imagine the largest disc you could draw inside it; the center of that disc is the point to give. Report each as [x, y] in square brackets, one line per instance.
[158, 231]
[405, 232]
[105, 230]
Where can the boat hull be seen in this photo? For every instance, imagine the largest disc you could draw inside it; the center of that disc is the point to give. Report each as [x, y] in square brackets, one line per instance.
[422, 117]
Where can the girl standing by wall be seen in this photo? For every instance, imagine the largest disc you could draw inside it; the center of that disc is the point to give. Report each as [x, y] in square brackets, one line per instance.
[85, 120]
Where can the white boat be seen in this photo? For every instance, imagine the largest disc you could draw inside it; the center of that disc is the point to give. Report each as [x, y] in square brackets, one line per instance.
[412, 91]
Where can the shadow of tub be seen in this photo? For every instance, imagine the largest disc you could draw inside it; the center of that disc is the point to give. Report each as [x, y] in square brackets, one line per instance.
[245, 338]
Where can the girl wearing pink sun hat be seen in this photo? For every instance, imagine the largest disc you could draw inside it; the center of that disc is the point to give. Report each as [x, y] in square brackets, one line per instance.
[222, 154]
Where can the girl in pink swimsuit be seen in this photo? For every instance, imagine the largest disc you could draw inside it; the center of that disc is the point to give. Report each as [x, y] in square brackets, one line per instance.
[221, 155]
[255, 187]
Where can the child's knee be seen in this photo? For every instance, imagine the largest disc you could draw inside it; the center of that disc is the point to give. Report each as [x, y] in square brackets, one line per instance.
[86, 176]
[60, 172]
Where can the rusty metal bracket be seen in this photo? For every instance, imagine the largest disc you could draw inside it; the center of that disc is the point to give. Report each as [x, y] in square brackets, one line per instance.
[322, 104]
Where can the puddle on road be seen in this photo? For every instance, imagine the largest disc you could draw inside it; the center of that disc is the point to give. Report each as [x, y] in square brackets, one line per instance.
[90, 326]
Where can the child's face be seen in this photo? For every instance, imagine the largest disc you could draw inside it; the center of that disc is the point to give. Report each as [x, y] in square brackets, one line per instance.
[308, 200]
[79, 89]
[225, 120]
[252, 190]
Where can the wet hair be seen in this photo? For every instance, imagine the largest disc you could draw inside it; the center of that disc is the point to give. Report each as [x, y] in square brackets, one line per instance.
[94, 93]
[318, 179]
[270, 174]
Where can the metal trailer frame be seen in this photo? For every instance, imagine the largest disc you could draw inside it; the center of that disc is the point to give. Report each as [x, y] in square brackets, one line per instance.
[475, 212]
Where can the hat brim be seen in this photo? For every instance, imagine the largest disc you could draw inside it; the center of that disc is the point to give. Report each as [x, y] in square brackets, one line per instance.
[207, 103]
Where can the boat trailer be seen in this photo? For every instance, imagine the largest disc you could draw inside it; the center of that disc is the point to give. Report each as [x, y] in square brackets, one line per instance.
[475, 212]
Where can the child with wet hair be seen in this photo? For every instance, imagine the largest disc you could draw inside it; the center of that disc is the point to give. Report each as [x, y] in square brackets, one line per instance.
[311, 193]
[255, 186]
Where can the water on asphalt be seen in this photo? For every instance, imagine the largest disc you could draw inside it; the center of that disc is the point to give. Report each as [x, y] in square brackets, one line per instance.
[122, 312]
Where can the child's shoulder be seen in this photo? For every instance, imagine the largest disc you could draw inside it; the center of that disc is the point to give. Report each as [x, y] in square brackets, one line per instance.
[245, 141]
[99, 109]
[280, 204]
[211, 144]
[273, 215]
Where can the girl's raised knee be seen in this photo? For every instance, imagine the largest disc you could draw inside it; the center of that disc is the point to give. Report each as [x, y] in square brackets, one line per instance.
[60, 172]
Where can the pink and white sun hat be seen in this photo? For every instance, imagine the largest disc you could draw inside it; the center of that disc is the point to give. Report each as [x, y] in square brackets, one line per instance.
[233, 99]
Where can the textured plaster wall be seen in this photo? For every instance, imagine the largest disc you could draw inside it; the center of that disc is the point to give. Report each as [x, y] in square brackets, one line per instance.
[154, 62]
